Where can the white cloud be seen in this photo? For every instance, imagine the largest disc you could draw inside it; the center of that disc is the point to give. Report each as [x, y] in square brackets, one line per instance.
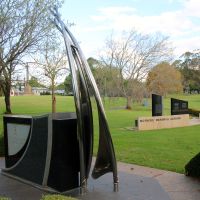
[176, 24]
[188, 44]
[111, 12]
[170, 23]
[93, 29]
[116, 10]
[192, 8]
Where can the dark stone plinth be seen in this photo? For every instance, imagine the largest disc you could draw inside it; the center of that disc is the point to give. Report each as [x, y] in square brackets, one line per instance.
[179, 107]
[50, 154]
[157, 107]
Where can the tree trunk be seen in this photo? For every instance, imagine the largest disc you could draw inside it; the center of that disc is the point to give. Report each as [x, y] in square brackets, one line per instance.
[7, 98]
[1, 91]
[53, 104]
[129, 103]
[53, 98]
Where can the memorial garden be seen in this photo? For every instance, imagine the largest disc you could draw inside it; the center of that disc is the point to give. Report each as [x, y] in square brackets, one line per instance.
[121, 123]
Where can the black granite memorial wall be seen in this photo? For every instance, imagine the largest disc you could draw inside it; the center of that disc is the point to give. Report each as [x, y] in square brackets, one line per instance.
[157, 106]
[50, 154]
[179, 107]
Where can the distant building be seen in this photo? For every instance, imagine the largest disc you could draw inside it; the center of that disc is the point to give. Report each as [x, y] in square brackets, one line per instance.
[35, 91]
[39, 90]
[60, 92]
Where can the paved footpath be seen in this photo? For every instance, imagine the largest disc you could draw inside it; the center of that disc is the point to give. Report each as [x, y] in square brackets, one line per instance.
[143, 183]
[178, 186]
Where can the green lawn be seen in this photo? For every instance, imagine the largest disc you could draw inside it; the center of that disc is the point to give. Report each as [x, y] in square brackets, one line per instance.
[167, 149]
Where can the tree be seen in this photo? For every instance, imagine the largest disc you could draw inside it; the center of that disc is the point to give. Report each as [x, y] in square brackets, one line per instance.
[60, 86]
[24, 24]
[103, 75]
[134, 54]
[93, 63]
[33, 82]
[52, 61]
[164, 79]
[189, 66]
[68, 84]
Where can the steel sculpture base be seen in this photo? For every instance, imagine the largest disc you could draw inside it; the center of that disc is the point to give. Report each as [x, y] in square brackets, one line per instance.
[116, 187]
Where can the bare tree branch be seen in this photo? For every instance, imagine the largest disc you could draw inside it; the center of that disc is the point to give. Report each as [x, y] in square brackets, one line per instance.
[53, 63]
[23, 26]
[134, 54]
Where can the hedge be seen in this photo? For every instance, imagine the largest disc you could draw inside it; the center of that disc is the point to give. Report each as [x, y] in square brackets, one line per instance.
[194, 112]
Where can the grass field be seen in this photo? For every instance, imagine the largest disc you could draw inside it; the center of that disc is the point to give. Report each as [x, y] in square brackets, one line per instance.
[167, 149]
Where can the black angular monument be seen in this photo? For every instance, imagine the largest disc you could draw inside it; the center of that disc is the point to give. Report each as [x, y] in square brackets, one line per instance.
[157, 106]
[43, 150]
[179, 107]
[55, 151]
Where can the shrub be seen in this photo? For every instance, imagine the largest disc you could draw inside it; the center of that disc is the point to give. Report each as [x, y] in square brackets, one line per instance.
[45, 93]
[56, 197]
[194, 112]
[192, 168]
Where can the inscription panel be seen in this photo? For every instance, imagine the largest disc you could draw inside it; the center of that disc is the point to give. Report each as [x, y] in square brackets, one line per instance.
[17, 136]
[150, 123]
[179, 107]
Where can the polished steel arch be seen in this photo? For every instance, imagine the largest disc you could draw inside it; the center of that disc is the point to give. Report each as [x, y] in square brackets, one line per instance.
[82, 80]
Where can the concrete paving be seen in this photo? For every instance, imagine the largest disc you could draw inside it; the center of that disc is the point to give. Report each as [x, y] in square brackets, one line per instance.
[131, 187]
[178, 186]
[136, 183]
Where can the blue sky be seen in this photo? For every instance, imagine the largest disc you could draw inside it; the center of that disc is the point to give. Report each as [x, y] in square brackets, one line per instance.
[96, 19]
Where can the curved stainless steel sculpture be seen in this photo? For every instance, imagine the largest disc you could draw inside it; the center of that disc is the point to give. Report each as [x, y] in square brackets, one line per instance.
[82, 80]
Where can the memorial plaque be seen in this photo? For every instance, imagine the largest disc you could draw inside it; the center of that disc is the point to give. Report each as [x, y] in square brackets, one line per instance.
[160, 122]
[179, 107]
[17, 136]
[157, 106]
